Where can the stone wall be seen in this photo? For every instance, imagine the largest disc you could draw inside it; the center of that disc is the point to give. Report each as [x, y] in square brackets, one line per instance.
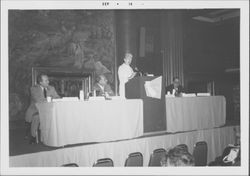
[82, 39]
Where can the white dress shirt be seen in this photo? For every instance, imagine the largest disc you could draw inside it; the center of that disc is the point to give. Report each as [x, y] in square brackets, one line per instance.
[43, 89]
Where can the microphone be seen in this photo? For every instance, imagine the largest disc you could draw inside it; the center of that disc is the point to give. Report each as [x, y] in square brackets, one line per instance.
[138, 71]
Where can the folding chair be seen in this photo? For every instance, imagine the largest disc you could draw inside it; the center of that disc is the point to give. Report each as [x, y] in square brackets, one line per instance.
[156, 157]
[182, 146]
[200, 153]
[134, 160]
[104, 162]
[70, 165]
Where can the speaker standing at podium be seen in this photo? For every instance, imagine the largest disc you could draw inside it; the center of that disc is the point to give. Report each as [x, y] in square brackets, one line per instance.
[125, 73]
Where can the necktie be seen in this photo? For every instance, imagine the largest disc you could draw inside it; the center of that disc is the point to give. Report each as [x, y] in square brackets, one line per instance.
[45, 93]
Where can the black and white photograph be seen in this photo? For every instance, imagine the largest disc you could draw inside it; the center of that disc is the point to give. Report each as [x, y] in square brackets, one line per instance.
[140, 87]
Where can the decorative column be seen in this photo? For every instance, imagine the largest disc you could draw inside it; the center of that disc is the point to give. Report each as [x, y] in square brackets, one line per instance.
[172, 45]
[126, 41]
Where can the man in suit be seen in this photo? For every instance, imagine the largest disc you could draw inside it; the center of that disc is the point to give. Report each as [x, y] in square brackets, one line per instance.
[39, 93]
[101, 86]
[175, 88]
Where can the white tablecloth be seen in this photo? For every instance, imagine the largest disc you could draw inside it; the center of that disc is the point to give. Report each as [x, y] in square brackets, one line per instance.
[193, 113]
[64, 123]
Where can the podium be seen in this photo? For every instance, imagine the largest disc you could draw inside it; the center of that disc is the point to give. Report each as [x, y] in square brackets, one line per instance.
[153, 108]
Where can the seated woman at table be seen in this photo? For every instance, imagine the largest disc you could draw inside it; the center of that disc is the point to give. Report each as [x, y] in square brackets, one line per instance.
[39, 93]
[175, 88]
[102, 87]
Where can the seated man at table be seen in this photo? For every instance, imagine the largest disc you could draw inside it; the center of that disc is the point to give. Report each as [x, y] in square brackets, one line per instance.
[101, 86]
[39, 93]
[177, 156]
[175, 88]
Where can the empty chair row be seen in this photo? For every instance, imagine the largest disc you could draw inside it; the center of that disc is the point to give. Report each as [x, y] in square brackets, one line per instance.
[136, 159]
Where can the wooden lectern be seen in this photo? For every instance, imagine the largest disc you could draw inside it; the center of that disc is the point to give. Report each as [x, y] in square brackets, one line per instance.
[153, 108]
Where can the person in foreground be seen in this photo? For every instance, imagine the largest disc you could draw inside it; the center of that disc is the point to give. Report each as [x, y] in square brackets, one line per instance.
[125, 73]
[175, 88]
[177, 157]
[39, 93]
[102, 87]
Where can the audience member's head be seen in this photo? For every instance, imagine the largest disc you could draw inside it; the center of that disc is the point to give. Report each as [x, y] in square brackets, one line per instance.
[237, 136]
[101, 79]
[128, 58]
[182, 146]
[178, 156]
[231, 155]
[43, 80]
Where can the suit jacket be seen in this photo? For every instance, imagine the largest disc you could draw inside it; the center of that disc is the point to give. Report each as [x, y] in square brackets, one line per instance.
[37, 96]
[101, 92]
[171, 87]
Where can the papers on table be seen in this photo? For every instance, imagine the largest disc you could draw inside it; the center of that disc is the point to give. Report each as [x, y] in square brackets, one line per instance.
[70, 98]
[203, 94]
[66, 99]
[96, 98]
[169, 96]
[153, 88]
[90, 98]
[150, 74]
[57, 100]
[188, 95]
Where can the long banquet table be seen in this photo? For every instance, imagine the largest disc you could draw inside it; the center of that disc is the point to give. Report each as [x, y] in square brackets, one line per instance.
[64, 123]
[195, 113]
